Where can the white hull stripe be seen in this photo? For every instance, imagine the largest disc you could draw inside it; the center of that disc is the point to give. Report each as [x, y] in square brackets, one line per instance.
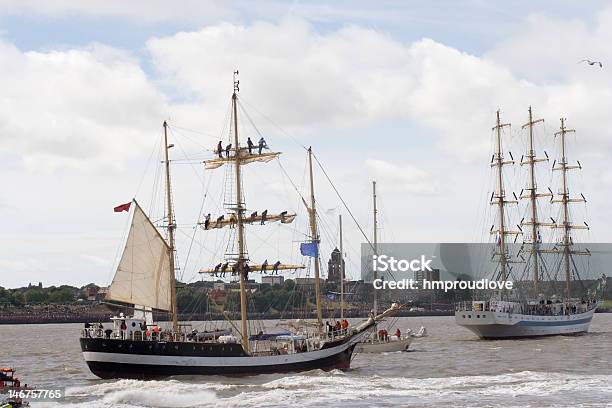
[121, 358]
[554, 322]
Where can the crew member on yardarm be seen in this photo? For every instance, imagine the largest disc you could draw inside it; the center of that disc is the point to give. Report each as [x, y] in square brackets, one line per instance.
[220, 149]
[207, 221]
[262, 144]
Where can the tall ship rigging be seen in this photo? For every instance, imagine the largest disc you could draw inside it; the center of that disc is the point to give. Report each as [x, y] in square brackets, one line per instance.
[538, 306]
[383, 340]
[136, 347]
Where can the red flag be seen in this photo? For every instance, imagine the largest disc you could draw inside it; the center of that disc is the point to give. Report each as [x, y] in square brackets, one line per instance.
[122, 207]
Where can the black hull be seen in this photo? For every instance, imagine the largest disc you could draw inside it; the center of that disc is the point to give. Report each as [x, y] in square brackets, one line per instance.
[147, 372]
[152, 350]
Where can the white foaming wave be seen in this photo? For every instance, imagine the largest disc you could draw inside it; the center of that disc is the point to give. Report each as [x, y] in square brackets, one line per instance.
[103, 388]
[135, 393]
[317, 388]
[324, 389]
[160, 398]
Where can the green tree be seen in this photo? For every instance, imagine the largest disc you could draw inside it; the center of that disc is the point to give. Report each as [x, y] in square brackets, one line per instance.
[35, 295]
[17, 298]
[61, 295]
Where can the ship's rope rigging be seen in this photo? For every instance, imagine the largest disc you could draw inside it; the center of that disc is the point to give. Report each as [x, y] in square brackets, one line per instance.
[206, 199]
[121, 245]
[329, 236]
[365, 236]
[297, 142]
[191, 160]
[324, 227]
[517, 177]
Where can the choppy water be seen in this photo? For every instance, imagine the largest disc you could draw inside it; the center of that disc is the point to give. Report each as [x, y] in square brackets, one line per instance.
[450, 367]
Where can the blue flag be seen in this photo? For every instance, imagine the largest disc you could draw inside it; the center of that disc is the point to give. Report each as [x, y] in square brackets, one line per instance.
[309, 249]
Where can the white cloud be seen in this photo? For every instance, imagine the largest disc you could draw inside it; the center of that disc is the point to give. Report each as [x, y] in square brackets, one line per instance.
[548, 50]
[356, 76]
[69, 108]
[404, 178]
[77, 125]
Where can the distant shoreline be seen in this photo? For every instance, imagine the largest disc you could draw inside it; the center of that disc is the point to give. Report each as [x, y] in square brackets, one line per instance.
[90, 318]
[4, 320]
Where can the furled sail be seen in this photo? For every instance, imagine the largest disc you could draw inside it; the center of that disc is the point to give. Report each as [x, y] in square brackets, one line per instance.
[143, 274]
[245, 158]
[256, 268]
[231, 221]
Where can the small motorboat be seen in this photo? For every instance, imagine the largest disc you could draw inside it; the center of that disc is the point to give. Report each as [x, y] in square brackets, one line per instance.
[380, 341]
[8, 383]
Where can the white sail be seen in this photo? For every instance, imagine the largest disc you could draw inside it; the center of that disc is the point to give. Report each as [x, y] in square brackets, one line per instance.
[143, 274]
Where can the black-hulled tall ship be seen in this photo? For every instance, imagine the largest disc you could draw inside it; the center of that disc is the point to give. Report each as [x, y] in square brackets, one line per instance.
[136, 347]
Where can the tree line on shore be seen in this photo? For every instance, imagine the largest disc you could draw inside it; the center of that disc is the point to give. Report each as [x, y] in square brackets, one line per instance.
[206, 296]
[202, 297]
[34, 295]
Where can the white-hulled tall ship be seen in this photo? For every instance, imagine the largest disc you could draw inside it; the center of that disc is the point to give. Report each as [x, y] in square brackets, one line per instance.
[136, 347]
[531, 310]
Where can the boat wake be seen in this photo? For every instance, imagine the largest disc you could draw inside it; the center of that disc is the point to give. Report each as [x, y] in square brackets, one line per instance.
[314, 389]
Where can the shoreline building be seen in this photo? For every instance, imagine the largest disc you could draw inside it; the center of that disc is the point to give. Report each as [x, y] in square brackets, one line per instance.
[429, 275]
[334, 267]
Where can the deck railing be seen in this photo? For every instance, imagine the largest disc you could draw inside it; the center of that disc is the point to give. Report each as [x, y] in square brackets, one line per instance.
[549, 309]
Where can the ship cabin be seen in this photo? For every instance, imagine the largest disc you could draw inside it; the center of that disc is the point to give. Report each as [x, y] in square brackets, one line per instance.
[128, 327]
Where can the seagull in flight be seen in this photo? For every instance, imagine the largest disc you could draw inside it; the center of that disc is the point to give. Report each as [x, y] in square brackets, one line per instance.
[592, 62]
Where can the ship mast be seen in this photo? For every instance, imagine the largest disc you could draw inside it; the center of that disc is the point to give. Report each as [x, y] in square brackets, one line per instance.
[341, 269]
[533, 195]
[312, 212]
[375, 242]
[239, 212]
[502, 231]
[171, 227]
[238, 219]
[565, 200]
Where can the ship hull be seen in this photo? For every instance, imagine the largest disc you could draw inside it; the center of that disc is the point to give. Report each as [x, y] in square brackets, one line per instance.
[498, 325]
[384, 347]
[146, 360]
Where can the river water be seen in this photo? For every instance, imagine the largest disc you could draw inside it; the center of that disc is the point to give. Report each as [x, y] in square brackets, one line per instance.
[450, 367]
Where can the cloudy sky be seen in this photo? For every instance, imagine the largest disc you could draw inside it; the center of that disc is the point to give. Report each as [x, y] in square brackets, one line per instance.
[403, 93]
